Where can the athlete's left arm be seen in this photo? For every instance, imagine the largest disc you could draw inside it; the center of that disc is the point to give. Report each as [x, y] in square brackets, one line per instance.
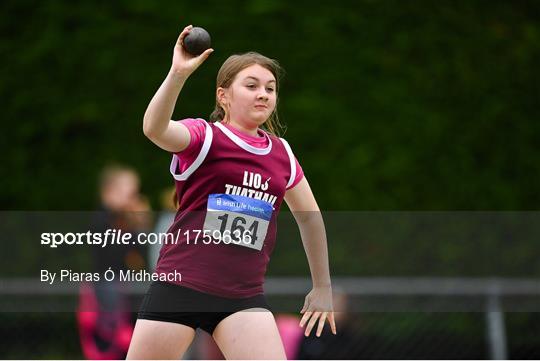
[306, 212]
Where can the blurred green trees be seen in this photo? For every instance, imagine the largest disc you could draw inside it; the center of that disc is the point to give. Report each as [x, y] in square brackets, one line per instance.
[392, 106]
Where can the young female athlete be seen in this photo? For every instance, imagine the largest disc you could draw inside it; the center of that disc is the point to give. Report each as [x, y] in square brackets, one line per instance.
[231, 178]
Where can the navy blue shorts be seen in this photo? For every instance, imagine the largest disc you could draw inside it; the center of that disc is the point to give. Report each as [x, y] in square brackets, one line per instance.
[172, 303]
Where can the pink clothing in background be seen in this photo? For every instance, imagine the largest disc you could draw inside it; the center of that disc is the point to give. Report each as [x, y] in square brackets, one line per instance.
[197, 130]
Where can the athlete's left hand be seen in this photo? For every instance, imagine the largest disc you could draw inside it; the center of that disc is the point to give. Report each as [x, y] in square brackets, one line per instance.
[318, 306]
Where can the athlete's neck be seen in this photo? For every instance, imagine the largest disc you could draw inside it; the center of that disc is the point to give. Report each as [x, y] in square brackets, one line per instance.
[249, 131]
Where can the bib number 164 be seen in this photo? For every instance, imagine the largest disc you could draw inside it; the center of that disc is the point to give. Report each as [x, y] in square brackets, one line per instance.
[237, 230]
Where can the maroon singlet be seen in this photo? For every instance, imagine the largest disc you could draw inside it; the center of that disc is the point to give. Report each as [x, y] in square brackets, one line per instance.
[227, 172]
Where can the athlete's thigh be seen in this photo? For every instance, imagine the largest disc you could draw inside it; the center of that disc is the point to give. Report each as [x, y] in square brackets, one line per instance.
[159, 340]
[249, 334]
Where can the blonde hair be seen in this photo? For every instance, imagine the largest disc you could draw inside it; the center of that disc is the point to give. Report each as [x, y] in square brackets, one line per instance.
[227, 73]
[168, 199]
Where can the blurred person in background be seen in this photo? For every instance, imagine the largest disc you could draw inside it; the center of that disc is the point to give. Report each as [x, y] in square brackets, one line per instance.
[105, 318]
[163, 222]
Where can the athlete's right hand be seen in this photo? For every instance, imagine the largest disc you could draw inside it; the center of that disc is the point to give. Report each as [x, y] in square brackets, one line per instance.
[183, 62]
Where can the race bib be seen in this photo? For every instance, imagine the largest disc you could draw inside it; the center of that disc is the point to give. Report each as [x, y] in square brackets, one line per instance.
[237, 220]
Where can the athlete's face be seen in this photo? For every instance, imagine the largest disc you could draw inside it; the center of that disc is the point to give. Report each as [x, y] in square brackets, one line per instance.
[252, 96]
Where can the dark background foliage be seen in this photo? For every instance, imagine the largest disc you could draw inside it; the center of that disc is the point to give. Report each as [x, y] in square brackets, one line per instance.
[390, 105]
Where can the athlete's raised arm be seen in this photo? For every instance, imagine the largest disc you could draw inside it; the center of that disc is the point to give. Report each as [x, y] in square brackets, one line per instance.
[318, 303]
[157, 126]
